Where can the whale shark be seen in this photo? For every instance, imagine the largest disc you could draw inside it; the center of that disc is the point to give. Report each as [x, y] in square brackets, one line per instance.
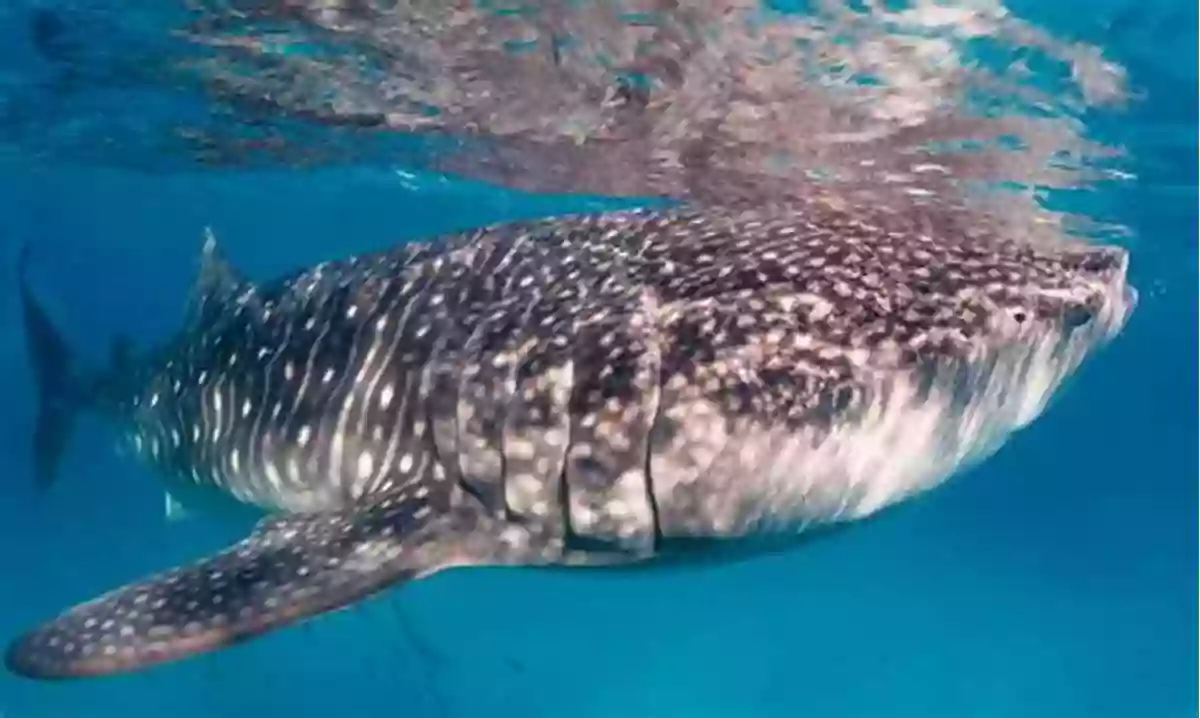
[596, 389]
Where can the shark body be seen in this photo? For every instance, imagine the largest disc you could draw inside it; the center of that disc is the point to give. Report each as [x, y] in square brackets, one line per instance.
[592, 389]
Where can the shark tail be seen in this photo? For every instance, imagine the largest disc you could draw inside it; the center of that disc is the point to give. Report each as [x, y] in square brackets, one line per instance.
[61, 392]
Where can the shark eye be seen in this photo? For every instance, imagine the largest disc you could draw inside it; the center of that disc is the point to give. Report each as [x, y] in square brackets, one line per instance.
[1020, 316]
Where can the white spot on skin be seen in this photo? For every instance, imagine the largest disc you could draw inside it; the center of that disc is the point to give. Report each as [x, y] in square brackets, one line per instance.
[246, 408]
[273, 474]
[304, 435]
[328, 376]
[406, 463]
[385, 396]
[366, 465]
[293, 471]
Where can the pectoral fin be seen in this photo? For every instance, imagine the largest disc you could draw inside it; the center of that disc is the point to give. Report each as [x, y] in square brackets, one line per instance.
[287, 570]
[172, 509]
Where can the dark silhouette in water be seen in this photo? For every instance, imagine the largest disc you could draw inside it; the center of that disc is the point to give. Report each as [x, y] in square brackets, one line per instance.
[583, 390]
[49, 33]
[60, 391]
[46, 31]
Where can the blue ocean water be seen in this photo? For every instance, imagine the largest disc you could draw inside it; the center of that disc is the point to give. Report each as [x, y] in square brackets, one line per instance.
[1057, 579]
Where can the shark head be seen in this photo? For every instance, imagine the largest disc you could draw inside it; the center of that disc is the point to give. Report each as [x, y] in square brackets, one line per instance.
[985, 342]
[895, 359]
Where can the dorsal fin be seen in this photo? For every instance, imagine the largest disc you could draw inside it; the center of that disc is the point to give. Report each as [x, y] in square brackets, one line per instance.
[218, 285]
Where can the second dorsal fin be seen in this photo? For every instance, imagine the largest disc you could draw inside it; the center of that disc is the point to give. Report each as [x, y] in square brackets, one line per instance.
[218, 285]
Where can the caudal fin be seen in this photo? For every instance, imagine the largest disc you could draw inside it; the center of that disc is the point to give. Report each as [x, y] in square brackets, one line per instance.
[60, 392]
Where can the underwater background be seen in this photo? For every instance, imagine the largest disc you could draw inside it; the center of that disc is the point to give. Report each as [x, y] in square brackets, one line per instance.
[1057, 579]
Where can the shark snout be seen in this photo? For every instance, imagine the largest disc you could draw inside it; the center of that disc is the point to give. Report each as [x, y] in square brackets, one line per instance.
[1101, 288]
[1078, 292]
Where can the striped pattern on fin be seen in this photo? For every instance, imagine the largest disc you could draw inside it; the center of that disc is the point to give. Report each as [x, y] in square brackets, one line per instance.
[287, 570]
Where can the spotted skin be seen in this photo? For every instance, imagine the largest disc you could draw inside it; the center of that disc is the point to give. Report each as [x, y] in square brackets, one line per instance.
[590, 389]
[286, 569]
